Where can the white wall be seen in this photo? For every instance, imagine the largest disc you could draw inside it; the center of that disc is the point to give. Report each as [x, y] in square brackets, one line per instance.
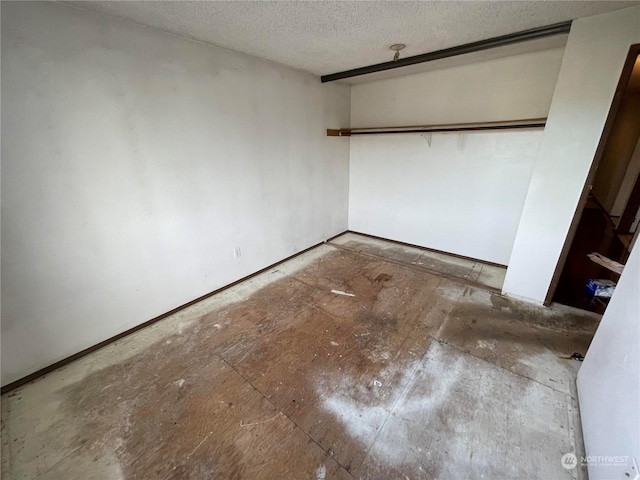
[594, 56]
[459, 193]
[510, 88]
[462, 193]
[609, 380]
[134, 162]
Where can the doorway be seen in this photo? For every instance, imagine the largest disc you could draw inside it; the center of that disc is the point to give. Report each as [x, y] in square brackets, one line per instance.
[608, 222]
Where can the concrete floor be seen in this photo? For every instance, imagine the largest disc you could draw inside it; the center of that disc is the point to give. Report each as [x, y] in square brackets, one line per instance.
[353, 360]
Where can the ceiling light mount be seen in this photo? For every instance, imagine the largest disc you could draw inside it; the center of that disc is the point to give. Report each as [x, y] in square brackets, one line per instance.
[396, 47]
[510, 39]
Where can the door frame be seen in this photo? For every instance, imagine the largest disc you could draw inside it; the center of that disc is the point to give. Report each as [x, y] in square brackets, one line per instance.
[625, 75]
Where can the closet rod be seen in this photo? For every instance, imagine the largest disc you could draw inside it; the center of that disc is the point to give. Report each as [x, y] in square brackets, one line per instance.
[451, 127]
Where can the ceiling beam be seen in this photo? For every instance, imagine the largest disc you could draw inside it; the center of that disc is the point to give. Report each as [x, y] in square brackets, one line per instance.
[511, 38]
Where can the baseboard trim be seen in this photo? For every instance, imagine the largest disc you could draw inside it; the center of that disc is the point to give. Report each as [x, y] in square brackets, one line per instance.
[425, 248]
[61, 363]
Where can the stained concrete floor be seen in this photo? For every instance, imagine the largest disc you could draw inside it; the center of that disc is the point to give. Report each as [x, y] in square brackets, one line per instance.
[353, 360]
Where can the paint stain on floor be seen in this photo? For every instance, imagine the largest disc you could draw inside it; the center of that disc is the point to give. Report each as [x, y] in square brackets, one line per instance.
[411, 375]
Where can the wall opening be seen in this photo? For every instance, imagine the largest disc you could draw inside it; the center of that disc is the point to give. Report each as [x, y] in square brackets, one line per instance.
[606, 222]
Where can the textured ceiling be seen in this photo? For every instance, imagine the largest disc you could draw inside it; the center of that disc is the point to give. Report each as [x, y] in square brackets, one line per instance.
[325, 37]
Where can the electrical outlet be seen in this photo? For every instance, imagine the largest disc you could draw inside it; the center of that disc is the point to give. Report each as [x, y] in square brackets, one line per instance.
[237, 253]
